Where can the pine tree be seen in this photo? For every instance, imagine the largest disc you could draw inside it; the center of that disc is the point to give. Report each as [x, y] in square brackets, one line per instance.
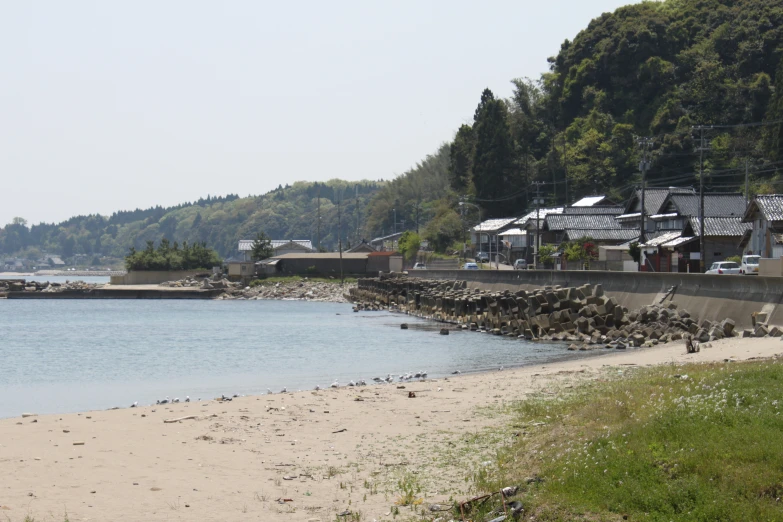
[461, 160]
[494, 158]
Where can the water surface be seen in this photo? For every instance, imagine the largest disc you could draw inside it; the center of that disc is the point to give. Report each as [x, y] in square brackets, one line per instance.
[77, 355]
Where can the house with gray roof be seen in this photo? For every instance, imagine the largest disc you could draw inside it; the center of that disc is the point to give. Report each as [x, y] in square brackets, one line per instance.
[601, 228]
[280, 247]
[764, 216]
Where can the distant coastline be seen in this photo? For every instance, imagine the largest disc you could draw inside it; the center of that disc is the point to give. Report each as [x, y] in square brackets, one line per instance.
[62, 273]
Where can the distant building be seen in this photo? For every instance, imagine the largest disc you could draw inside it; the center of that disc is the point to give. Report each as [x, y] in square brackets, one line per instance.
[364, 246]
[386, 243]
[280, 247]
[764, 215]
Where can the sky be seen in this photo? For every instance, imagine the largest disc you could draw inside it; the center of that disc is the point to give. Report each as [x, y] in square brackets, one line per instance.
[110, 106]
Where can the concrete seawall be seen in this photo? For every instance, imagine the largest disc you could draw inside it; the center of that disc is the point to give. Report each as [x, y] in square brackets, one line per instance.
[710, 297]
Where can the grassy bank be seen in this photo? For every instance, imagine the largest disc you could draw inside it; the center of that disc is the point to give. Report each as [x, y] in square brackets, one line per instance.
[694, 442]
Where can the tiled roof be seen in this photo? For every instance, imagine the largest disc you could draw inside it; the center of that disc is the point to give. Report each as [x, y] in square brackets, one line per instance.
[632, 215]
[542, 213]
[720, 226]
[246, 245]
[617, 234]
[715, 205]
[513, 232]
[491, 225]
[679, 241]
[662, 238]
[589, 201]
[324, 255]
[610, 210]
[654, 199]
[771, 206]
[591, 221]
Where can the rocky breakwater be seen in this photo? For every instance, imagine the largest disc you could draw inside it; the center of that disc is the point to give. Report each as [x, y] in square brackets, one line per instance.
[304, 290]
[21, 285]
[582, 315]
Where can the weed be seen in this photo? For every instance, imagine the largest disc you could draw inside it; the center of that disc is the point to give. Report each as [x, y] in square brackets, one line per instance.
[675, 443]
[409, 488]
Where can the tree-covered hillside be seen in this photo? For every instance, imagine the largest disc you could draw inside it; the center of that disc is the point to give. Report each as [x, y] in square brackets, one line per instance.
[289, 212]
[654, 69]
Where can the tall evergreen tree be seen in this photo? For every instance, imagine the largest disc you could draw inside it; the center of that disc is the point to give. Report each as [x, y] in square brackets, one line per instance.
[461, 160]
[493, 162]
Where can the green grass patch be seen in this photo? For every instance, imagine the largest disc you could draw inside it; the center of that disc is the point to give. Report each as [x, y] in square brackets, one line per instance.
[674, 443]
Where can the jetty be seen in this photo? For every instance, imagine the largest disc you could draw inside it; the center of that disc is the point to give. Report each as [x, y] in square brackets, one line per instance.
[118, 292]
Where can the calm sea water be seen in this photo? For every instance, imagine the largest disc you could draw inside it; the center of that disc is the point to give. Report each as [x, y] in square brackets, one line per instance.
[75, 355]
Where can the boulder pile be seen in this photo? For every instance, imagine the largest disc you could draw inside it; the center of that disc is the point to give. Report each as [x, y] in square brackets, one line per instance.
[581, 314]
[21, 285]
[303, 290]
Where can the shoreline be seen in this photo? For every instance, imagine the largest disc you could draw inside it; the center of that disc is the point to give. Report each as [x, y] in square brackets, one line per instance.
[327, 451]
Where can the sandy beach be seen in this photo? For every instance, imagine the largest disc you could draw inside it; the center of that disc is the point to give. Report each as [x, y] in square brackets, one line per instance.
[304, 456]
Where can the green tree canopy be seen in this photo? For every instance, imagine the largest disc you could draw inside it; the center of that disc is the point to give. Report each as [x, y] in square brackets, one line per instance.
[170, 256]
[408, 245]
[262, 247]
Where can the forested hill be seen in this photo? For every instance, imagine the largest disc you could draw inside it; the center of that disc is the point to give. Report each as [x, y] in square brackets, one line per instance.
[653, 69]
[289, 212]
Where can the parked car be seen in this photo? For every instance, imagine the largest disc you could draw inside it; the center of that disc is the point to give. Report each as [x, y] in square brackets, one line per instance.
[419, 266]
[724, 268]
[750, 265]
[470, 266]
[482, 257]
[520, 264]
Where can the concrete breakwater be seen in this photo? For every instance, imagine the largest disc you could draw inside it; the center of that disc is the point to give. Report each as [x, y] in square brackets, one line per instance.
[712, 297]
[583, 314]
[22, 289]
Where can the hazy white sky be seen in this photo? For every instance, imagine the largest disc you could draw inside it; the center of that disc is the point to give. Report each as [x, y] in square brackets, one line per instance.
[118, 105]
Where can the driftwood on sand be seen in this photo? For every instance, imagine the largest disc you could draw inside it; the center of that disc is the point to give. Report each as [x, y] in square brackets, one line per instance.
[189, 417]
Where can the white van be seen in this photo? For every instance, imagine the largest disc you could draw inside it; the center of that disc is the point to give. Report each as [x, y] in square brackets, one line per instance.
[750, 265]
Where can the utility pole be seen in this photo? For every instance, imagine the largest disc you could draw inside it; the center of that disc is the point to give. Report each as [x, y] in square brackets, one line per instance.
[565, 169]
[358, 213]
[395, 220]
[318, 243]
[747, 183]
[340, 236]
[418, 202]
[645, 144]
[702, 147]
[538, 219]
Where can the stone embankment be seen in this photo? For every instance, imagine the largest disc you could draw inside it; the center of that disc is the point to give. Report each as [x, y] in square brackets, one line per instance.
[303, 290]
[21, 285]
[583, 314]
